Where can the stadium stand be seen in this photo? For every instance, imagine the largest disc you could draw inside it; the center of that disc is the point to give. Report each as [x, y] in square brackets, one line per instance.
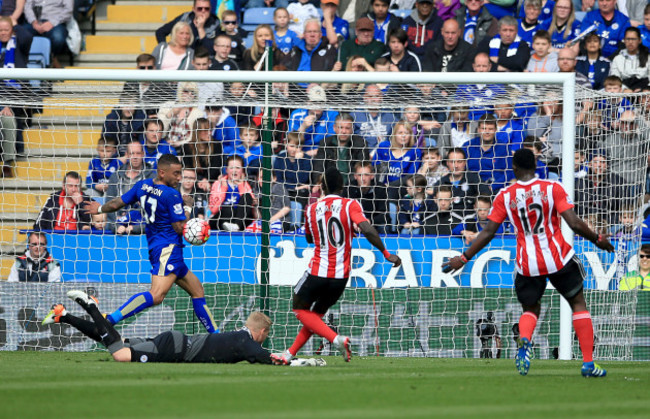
[257, 16]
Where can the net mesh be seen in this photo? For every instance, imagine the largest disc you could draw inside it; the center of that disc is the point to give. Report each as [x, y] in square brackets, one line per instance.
[415, 310]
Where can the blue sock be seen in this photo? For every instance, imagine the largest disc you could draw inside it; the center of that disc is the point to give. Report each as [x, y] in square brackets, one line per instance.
[133, 306]
[203, 313]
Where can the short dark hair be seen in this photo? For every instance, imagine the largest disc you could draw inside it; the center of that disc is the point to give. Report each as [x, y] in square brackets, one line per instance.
[344, 116]
[488, 119]
[168, 160]
[613, 80]
[107, 141]
[145, 58]
[201, 52]
[646, 11]
[382, 61]
[458, 150]
[484, 198]
[399, 34]
[362, 164]
[156, 121]
[532, 141]
[524, 159]
[72, 174]
[43, 236]
[645, 248]
[386, 2]
[431, 150]
[419, 181]
[542, 34]
[332, 180]
[444, 188]
[635, 30]
[234, 157]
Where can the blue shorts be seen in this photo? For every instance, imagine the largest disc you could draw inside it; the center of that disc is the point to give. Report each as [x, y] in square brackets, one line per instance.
[168, 260]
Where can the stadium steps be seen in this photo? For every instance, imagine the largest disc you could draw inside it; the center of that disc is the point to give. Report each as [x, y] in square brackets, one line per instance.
[48, 169]
[81, 87]
[10, 233]
[60, 138]
[16, 201]
[6, 262]
[127, 44]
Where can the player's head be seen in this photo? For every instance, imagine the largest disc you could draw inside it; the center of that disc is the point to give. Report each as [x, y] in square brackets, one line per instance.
[524, 162]
[169, 170]
[332, 181]
[259, 325]
[644, 256]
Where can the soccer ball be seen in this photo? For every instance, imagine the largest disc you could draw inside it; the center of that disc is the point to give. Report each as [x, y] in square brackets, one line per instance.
[196, 231]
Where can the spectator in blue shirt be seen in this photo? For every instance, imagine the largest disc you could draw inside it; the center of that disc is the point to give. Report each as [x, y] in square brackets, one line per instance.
[154, 144]
[487, 156]
[609, 23]
[250, 146]
[593, 65]
[371, 123]
[564, 26]
[385, 22]
[101, 168]
[285, 38]
[545, 12]
[645, 27]
[510, 130]
[397, 156]
[335, 29]
[224, 127]
[313, 124]
[531, 22]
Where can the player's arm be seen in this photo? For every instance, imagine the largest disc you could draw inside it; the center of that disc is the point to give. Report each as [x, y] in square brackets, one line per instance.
[373, 237]
[580, 227]
[94, 207]
[483, 238]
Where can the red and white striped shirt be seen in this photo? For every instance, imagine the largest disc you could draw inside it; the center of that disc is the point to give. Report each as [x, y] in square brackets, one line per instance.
[534, 209]
[330, 223]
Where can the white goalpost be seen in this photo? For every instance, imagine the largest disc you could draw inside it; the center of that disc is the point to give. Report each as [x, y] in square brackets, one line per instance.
[415, 310]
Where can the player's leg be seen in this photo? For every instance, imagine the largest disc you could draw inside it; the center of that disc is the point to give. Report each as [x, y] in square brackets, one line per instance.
[529, 292]
[163, 275]
[335, 289]
[569, 283]
[191, 284]
[107, 333]
[59, 314]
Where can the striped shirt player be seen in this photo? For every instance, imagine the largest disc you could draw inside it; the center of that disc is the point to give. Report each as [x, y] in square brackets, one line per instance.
[534, 208]
[329, 225]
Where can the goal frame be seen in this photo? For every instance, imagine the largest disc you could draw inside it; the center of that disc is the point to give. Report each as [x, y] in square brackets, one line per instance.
[566, 80]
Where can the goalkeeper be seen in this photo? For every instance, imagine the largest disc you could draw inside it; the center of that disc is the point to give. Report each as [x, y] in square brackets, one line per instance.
[171, 346]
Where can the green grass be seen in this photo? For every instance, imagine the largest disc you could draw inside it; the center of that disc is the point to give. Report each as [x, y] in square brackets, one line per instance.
[70, 385]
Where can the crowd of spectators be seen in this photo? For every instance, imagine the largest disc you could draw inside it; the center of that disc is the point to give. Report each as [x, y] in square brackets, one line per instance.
[416, 170]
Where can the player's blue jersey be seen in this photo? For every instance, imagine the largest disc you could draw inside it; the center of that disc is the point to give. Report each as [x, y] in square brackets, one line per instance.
[162, 206]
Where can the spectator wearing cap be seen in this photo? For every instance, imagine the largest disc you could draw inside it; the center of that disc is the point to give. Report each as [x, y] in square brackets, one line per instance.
[506, 49]
[422, 26]
[476, 22]
[313, 52]
[363, 44]
[449, 53]
[600, 192]
[609, 23]
[314, 124]
[334, 28]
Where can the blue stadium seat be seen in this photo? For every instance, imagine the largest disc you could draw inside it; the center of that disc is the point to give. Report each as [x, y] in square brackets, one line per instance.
[39, 56]
[39, 53]
[402, 13]
[257, 16]
[580, 15]
[248, 41]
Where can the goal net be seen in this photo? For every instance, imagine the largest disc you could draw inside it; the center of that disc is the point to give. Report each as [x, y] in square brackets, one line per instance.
[424, 158]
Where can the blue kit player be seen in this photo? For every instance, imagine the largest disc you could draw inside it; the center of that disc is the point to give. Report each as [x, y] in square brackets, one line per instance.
[166, 213]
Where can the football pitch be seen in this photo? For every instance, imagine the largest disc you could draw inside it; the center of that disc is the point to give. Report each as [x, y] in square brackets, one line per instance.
[73, 385]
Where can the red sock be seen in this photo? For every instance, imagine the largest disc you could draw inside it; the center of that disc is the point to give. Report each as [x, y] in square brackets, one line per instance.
[301, 339]
[527, 323]
[314, 323]
[585, 331]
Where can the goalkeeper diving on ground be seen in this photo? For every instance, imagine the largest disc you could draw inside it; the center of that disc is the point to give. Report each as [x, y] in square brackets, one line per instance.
[244, 344]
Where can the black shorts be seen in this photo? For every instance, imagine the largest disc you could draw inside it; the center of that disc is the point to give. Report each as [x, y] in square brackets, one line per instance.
[316, 293]
[568, 281]
[166, 347]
